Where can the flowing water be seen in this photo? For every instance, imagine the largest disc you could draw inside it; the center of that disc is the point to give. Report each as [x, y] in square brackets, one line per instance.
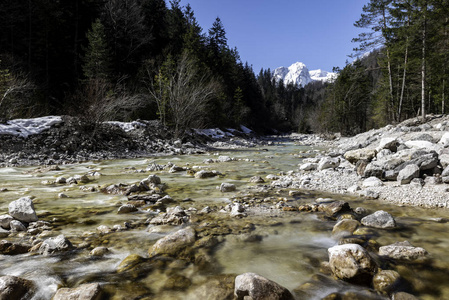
[286, 247]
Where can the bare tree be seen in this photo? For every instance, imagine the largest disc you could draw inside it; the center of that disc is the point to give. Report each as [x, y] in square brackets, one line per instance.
[15, 94]
[181, 93]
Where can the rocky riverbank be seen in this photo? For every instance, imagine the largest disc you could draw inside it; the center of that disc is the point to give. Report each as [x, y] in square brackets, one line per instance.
[66, 140]
[406, 164]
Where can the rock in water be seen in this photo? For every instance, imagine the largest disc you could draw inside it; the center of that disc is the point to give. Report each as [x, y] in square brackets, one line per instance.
[351, 262]
[227, 187]
[56, 244]
[23, 210]
[12, 287]
[253, 286]
[173, 243]
[404, 251]
[90, 291]
[379, 219]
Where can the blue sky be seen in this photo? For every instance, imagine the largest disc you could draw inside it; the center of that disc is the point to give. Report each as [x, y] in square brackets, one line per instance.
[270, 34]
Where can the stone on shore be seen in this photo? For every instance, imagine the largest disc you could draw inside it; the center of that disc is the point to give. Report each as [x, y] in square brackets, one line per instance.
[351, 262]
[328, 163]
[23, 210]
[372, 182]
[353, 156]
[407, 174]
[88, 291]
[379, 219]
[253, 286]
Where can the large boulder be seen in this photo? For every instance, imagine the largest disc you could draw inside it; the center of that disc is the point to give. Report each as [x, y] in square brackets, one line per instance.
[12, 287]
[89, 291]
[173, 243]
[379, 219]
[23, 210]
[253, 286]
[407, 174]
[351, 262]
[403, 251]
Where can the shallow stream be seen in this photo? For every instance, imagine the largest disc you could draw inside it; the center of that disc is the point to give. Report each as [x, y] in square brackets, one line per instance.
[286, 247]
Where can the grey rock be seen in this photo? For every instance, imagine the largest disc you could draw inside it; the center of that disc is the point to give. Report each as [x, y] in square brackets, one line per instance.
[372, 182]
[328, 163]
[54, 245]
[408, 173]
[5, 220]
[237, 210]
[379, 219]
[23, 210]
[17, 226]
[369, 194]
[154, 179]
[206, 174]
[99, 251]
[404, 251]
[308, 167]
[388, 143]
[417, 182]
[256, 179]
[227, 187]
[253, 286]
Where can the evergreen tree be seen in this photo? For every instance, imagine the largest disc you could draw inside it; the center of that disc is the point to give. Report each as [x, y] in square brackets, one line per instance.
[97, 59]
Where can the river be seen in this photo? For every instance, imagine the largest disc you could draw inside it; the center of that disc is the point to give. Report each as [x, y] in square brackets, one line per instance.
[286, 247]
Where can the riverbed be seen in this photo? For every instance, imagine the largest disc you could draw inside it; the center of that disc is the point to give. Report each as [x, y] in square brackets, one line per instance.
[287, 247]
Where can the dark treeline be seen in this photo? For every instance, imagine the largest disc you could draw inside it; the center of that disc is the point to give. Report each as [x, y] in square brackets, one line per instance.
[149, 59]
[406, 74]
[129, 59]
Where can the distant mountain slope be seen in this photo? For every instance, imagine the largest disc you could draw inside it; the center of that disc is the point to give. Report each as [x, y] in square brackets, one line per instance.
[298, 74]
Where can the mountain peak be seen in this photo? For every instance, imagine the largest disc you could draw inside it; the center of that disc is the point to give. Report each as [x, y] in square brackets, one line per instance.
[299, 75]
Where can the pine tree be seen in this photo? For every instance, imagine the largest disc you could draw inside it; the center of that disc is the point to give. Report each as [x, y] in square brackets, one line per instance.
[97, 59]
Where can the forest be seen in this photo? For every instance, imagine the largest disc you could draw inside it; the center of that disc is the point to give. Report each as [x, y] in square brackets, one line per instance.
[149, 59]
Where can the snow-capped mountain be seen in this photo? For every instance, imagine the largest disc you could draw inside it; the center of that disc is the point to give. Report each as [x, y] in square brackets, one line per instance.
[299, 75]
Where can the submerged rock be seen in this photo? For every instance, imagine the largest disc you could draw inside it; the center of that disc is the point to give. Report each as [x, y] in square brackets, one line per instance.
[253, 286]
[351, 262]
[23, 210]
[10, 248]
[173, 243]
[89, 291]
[16, 288]
[206, 174]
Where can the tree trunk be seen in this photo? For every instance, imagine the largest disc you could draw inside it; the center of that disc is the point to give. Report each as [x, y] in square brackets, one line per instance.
[423, 64]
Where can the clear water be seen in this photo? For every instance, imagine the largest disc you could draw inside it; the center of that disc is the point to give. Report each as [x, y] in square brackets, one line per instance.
[289, 249]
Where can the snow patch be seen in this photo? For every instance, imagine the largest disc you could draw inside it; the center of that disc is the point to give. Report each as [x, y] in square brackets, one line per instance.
[27, 127]
[214, 133]
[127, 126]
